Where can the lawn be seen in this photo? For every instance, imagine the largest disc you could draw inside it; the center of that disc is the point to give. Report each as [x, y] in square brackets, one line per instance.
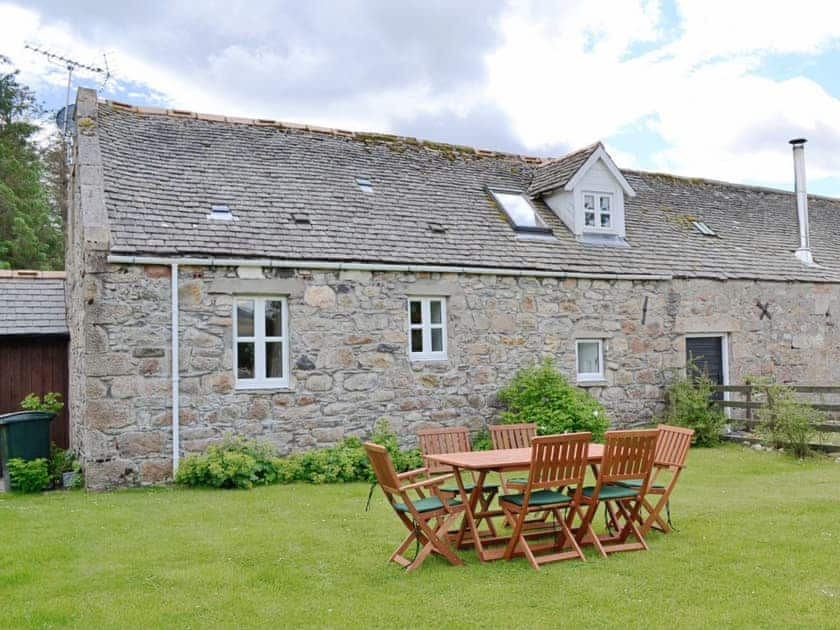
[758, 545]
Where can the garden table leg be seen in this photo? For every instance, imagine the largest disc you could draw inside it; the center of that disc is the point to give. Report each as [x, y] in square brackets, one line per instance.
[469, 521]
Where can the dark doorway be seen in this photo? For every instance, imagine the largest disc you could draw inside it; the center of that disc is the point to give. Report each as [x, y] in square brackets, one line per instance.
[707, 356]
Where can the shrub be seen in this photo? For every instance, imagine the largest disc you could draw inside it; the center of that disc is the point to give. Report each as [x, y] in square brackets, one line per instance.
[482, 441]
[31, 476]
[235, 463]
[239, 463]
[61, 462]
[785, 422]
[50, 402]
[542, 395]
[690, 404]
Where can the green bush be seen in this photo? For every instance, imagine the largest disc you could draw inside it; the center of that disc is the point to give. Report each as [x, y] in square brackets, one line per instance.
[689, 404]
[482, 441]
[239, 463]
[61, 462]
[785, 422]
[235, 463]
[31, 476]
[542, 395]
[50, 402]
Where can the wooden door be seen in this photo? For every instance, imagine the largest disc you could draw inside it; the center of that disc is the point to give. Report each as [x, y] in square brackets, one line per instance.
[707, 356]
[39, 365]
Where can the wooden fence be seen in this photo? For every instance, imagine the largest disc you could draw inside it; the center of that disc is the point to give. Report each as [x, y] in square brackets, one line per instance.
[749, 403]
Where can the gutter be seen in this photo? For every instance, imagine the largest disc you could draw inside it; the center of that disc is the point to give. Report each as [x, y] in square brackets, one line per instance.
[342, 266]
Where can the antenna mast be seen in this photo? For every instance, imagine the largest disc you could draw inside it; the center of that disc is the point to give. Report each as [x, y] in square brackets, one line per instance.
[70, 65]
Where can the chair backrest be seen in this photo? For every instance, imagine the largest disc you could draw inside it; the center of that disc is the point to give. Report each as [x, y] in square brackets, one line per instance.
[383, 468]
[628, 455]
[512, 435]
[437, 441]
[672, 446]
[559, 460]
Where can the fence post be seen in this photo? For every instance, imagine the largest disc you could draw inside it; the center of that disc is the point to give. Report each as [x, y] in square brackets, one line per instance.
[749, 401]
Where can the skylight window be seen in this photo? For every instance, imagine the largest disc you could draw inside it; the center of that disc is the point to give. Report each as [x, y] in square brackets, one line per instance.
[520, 212]
[437, 228]
[364, 185]
[301, 218]
[221, 212]
[703, 228]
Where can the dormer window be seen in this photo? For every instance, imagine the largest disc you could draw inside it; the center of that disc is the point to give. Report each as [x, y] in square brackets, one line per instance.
[597, 210]
[520, 212]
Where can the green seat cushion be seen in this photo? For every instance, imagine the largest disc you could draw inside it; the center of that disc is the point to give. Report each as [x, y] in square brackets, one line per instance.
[429, 504]
[540, 497]
[468, 487]
[610, 492]
[522, 480]
[637, 483]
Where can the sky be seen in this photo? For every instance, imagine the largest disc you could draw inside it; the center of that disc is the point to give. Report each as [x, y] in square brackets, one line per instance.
[705, 88]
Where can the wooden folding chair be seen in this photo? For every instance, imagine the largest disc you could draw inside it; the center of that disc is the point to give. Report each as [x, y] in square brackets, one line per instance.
[416, 514]
[455, 440]
[671, 450]
[557, 461]
[627, 455]
[506, 436]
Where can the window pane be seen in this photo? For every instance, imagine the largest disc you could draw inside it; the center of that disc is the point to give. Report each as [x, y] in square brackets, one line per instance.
[435, 311]
[589, 202]
[245, 360]
[274, 359]
[437, 340]
[589, 219]
[519, 209]
[605, 220]
[245, 318]
[273, 318]
[416, 312]
[417, 340]
[589, 360]
[605, 204]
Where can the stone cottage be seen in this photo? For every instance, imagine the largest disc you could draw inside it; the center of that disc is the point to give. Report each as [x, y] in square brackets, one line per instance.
[296, 283]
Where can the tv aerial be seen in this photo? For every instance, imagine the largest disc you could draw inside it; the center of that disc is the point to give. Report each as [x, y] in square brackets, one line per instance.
[65, 117]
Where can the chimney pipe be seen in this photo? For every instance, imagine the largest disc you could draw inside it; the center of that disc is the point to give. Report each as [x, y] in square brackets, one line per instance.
[803, 253]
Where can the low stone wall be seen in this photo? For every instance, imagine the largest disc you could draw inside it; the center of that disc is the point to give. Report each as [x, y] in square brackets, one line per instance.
[349, 359]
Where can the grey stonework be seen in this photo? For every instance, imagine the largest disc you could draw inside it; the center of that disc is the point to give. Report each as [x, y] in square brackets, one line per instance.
[349, 360]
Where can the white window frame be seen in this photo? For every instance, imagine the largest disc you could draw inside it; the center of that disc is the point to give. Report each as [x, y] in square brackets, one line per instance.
[597, 195]
[260, 381]
[426, 326]
[584, 377]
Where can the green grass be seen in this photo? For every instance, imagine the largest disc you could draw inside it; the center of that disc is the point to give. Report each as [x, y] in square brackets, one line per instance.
[758, 546]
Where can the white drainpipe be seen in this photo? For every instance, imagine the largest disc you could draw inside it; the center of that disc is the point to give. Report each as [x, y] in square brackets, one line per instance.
[804, 251]
[176, 376]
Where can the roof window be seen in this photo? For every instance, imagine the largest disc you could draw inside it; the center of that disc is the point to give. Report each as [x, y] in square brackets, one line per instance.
[301, 218]
[520, 212]
[437, 228]
[221, 212]
[364, 185]
[703, 228]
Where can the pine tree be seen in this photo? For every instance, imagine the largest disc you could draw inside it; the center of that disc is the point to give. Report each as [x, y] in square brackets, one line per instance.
[31, 233]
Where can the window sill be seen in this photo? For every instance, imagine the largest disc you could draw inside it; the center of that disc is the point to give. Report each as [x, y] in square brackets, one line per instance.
[592, 382]
[428, 359]
[266, 389]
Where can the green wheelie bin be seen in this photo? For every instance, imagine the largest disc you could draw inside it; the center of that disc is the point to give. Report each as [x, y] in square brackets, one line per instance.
[24, 434]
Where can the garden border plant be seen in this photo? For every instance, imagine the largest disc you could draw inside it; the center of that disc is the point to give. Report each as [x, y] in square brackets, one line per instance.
[689, 403]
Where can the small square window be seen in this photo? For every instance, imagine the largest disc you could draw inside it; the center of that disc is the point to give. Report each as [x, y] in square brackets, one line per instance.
[597, 211]
[427, 329]
[590, 359]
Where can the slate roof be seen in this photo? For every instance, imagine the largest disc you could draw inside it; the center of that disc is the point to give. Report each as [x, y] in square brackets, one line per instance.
[162, 173]
[32, 306]
[557, 173]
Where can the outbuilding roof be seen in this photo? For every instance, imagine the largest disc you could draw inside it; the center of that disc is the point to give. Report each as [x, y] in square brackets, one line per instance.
[429, 203]
[32, 303]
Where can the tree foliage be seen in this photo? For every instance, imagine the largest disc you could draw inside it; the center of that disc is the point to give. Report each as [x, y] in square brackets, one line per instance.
[31, 235]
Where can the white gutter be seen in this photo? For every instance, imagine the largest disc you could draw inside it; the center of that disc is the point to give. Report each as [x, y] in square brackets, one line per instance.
[341, 266]
[176, 375]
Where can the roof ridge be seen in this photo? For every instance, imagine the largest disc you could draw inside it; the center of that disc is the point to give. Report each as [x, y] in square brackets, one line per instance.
[588, 147]
[32, 273]
[723, 182]
[280, 124]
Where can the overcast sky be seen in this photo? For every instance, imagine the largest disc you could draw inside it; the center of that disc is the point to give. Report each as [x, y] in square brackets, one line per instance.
[703, 88]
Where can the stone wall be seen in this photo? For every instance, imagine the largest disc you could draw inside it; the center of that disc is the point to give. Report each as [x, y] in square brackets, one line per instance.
[349, 359]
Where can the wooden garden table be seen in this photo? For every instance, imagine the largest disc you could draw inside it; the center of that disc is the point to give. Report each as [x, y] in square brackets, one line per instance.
[483, 462]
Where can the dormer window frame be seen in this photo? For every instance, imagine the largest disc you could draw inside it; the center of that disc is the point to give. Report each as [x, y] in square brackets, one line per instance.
[541, 228]
[598, 211]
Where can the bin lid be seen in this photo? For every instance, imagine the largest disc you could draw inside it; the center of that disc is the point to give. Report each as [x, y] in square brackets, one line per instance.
[26, 416]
